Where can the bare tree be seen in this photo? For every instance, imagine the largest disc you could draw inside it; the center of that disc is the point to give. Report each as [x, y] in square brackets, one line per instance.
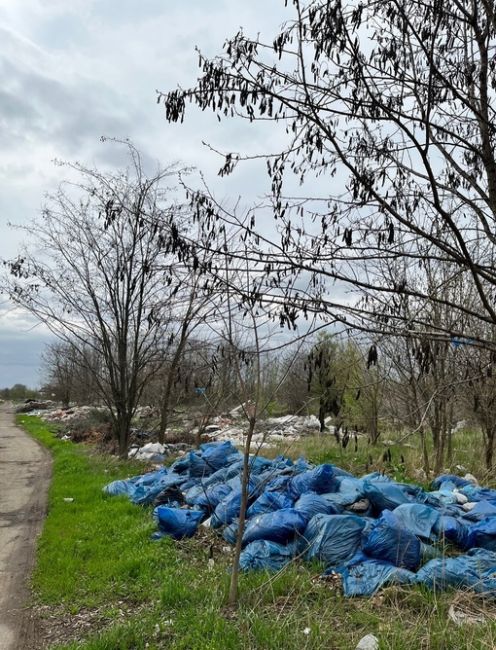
[94, 275]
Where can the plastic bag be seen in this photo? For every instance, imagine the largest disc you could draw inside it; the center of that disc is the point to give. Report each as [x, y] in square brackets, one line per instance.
[268, 502]
[176, 522]
[333, 539]
[264, 555]
[456, 481]
[313, 504]
[363, 576]
[419, 519]
[280, 526]
[483, 534]
[392, 544]
[452, 530]
[320, 480]
[209, 497]
[475, 570]
[385, 495]
[229, 508]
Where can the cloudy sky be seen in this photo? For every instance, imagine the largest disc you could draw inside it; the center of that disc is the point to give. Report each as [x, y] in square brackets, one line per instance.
[74, 70]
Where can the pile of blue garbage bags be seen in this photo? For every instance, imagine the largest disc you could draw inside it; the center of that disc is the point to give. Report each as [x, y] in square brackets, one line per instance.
[370, 530]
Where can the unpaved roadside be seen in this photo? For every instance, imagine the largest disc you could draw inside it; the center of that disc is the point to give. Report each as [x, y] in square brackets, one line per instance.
[25, 469]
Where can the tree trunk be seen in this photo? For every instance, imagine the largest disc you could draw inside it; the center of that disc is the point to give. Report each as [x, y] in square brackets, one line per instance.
[489, 451]
[233, 587]
[122, 425]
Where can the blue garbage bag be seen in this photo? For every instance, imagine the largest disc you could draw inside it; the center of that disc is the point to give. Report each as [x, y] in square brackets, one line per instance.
[333, 539]
[481, 510]
[483, 534]
[268, 502]
[264, 555]
[207, 498]
[478, 493]
[313, 504]
[219, 454]
[118, 488]
[229, 508]
[385, 495]
[363, 576]
[230, 533]
[178, 522]
[320, 479]
[452, 529]
[476, 570]
[417, 518]
[392, 544]
[281, 526]
[146, 492]
[456, 481]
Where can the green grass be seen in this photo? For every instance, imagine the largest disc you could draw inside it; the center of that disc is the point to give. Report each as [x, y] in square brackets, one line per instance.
[95, 553]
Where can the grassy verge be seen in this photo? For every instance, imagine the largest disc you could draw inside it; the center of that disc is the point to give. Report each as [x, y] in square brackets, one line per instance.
[95, 553]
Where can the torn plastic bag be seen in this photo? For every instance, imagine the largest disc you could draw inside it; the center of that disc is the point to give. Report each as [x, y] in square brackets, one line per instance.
[320, 480]
[176, 522]
[363, 576]
[385, 495]
[171, 496]
[313, 504]
[392, 544]
[417, 518]
[475, 570]
[349, 490]
[265, 555]
[281, 526]
[268, 502]
[333, 539]
[483, 534]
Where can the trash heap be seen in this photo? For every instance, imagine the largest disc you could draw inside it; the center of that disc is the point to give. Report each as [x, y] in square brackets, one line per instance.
[371, 530]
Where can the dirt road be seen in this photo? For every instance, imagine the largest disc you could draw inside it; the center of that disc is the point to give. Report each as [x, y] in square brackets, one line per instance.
[24, 478]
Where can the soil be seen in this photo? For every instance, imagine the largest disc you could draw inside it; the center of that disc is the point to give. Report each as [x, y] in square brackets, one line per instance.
[25, 470]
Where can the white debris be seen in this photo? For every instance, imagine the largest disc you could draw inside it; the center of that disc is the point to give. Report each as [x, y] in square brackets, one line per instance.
[147, 452]
[468, 506]
[459, 617]
[460, 497]
[368, 642]
[68, 499]
[471, 478]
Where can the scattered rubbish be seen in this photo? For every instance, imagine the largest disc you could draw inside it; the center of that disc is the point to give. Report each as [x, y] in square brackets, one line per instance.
[68, 499]
[368, 642]
[364, 532]
[461, 617]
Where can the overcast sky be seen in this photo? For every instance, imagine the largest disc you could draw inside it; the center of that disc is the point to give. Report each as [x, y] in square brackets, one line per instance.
[74, 70]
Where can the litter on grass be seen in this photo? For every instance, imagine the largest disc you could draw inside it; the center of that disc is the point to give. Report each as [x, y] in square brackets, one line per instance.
[370, 531]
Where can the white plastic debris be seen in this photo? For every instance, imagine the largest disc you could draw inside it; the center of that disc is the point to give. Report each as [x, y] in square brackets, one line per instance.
[206, 523]
[306, 631]
[468, 506]
[368, 642]
[459, 617]
[471, 478]
[147, 452]
[460, 497]
[68, 499]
